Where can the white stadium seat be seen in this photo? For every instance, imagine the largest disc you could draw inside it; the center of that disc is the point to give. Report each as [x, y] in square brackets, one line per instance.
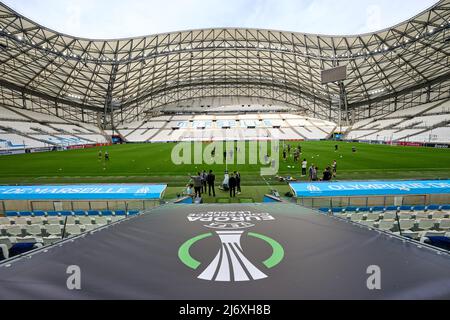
[73, 229]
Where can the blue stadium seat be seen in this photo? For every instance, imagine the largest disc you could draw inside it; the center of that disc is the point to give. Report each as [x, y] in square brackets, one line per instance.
[107, 213]
[377, 208]
[406, 208]
[93, 212]
[419, 208]
[351, 209]
[66, 213]
[391, 208]
[120, 212]
[446, 207]
[25, 213]
[80, 213]
[433, 207]
[21, 247]
[39, 213]
[324, 210]
[12, 213]
[133, 212]
[52, 213]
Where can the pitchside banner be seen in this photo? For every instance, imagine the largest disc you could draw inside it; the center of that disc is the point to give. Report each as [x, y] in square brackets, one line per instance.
[371, 188]
[83, 192]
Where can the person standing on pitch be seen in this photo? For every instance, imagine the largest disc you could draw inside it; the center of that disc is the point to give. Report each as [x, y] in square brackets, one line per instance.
[232, 185]
[203, 176]
[304, 166]
[100, 155]
[106, 156]
[311, 172]
[197, 184]
[238, 182]
[334, 166]
[210, 179]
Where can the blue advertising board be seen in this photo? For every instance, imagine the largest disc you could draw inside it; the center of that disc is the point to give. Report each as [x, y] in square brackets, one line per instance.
[84, 192]
[369, 188]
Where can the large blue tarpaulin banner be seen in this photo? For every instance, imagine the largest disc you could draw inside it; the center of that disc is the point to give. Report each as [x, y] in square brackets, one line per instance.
[84, 192]
[369, 188]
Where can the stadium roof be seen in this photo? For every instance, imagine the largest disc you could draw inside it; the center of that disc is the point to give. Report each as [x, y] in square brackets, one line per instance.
[137, 74]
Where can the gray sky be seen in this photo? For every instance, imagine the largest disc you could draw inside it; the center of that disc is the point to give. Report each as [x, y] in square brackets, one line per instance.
[105, 19]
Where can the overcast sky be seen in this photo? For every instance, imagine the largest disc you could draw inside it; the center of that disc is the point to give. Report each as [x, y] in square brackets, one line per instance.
[105, 19]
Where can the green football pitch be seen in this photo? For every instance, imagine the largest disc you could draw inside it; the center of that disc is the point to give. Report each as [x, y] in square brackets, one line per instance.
[152, 163]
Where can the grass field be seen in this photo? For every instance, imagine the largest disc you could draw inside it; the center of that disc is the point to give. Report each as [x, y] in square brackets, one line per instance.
[152, 163]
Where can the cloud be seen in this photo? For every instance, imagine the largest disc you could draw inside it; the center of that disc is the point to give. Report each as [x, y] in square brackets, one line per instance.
[118, 18]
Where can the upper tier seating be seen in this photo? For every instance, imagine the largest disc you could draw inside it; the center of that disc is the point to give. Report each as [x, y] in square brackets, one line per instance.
[21, 128]
[226, 127]
[425, 123]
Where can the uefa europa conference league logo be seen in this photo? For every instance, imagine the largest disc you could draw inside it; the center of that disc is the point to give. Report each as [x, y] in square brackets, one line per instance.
[230, 263]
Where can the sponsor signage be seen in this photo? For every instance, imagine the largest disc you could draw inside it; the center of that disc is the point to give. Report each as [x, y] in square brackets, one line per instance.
[356, 188]
[83, 192]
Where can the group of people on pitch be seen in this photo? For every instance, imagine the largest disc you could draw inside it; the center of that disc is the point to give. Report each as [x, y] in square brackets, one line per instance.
[200, 182]
[313, 171]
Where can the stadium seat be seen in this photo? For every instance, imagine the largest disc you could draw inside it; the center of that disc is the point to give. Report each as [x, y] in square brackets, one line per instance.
[4, 252]
[117, 218]
[426, 224]
[38, 213]
[368, 223]
[89, 227]
[53, 220]
[15, 231]
[93, 212]
[36, 220]
[444, 224]
[386, 225]
[373, 216]
[5, 221]
[53, 233]
[22, 247]
[422, 215]
[80, 213]
[407, 224]
[389, 215]
[405, 215]
[120, 213]
[52, 213]
[439, 214]
[73, 229]
[85, 220]
[106, 213]
[33, 230]
[7, 241]
[3, 230]
[69, 220]
[20, 221]
[357, 217]
[66, 213]
[100, 220]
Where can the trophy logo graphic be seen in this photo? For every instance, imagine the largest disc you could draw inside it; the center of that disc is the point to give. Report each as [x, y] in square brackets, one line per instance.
[230, 263]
